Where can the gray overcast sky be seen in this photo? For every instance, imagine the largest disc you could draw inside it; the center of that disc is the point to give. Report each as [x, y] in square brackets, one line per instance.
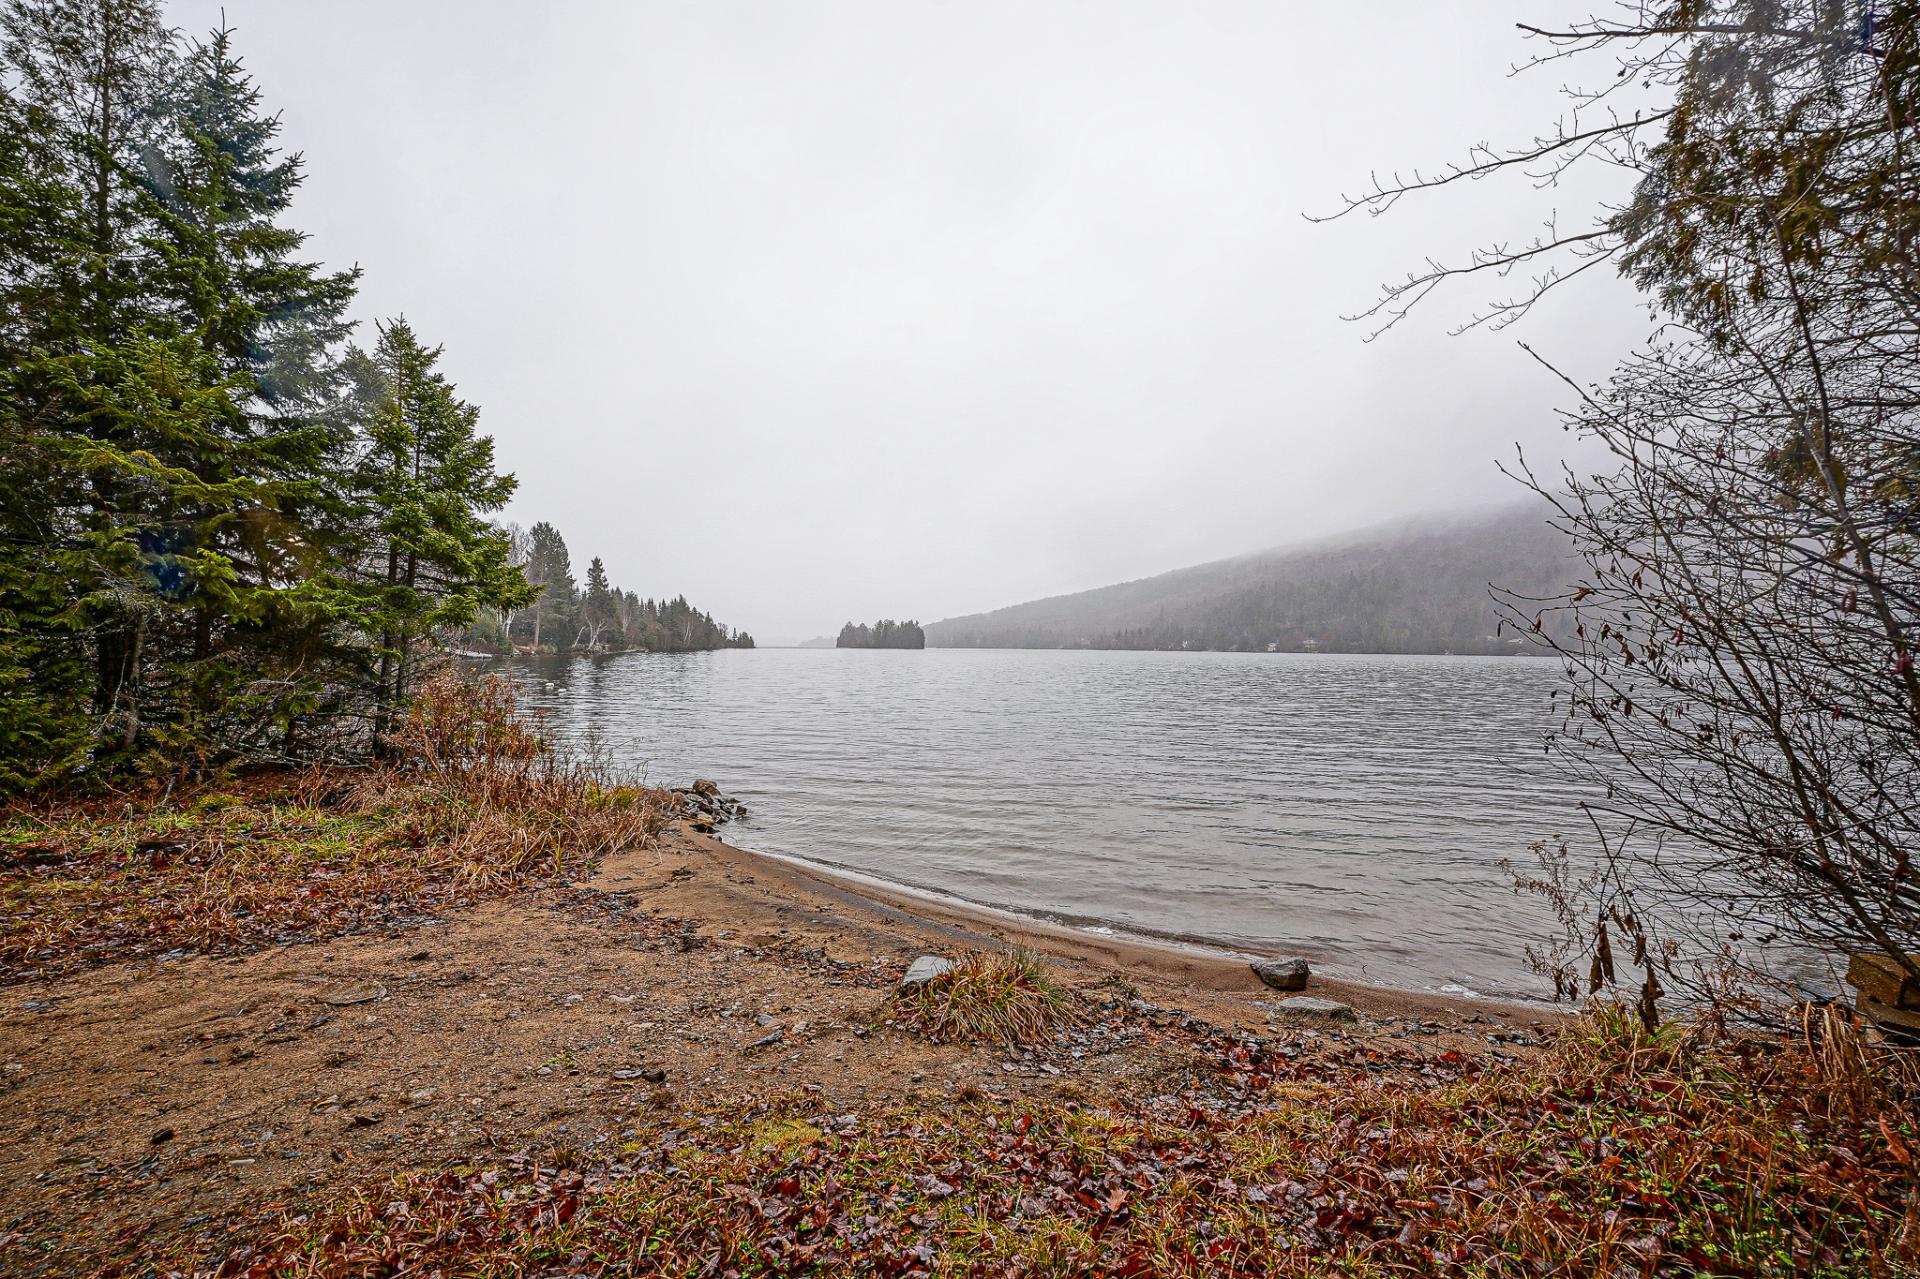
[818, 311]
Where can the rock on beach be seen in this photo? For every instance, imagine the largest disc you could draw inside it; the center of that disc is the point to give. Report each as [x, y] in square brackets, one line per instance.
[1282, 974]
[925, 969]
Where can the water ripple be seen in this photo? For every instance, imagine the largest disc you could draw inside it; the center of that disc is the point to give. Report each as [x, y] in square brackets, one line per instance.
[1355, 808]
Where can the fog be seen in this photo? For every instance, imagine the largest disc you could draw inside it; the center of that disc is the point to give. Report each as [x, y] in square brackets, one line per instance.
[818, 311]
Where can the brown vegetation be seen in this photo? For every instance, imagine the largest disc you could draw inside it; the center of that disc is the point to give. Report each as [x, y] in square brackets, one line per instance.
[1615, 1153]
[473, 804]
[1007, 999]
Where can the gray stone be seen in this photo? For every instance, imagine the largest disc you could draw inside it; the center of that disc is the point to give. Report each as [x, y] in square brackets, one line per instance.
[1306, 1006]
[924, 970]
[1282, 974]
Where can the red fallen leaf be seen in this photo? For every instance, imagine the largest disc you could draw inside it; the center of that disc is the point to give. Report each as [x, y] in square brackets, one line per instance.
[1117, 1200]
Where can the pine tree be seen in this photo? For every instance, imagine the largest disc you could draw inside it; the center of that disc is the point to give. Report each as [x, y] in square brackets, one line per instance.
[180, 477]
[217, 530]
[226, 264]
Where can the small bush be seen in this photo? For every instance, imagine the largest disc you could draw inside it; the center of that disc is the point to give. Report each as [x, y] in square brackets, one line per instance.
[1008, 999]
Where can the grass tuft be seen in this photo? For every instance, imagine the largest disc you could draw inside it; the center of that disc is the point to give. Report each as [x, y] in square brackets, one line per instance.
[1005, 999]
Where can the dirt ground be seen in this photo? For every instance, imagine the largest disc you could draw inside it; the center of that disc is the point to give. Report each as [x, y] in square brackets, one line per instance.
[149, 1099]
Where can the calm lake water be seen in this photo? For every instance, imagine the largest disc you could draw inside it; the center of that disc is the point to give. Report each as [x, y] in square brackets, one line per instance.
[1351, 808]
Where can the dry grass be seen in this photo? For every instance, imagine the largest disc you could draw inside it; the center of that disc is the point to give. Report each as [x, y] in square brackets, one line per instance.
[473, 776]
[475, 805]
[1006, 999]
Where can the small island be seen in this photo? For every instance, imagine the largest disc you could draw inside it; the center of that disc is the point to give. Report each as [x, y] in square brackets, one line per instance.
[885, 633]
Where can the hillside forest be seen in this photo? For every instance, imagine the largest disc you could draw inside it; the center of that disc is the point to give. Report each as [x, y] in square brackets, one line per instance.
[1418, 586]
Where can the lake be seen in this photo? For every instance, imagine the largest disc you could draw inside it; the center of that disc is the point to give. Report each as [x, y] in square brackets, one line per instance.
[1354, 809]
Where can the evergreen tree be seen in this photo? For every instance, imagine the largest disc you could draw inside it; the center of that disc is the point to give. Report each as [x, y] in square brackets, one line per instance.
[224, 272]
[431, 560]
[104, 394]
[224, 527]
[225, 263]
[550, 570]
[598, 611]
[179, 481]
[46, 679]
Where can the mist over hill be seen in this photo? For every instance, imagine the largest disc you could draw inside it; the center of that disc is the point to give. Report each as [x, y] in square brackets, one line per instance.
[1417, 585]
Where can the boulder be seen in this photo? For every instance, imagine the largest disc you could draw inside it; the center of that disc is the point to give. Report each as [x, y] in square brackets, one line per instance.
[1326, 1009]
[925, 969]
[1283, 974]
[701, 786]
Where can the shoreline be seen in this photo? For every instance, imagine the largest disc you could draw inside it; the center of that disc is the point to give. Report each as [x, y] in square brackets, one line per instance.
[1202, 967]
[684, 998]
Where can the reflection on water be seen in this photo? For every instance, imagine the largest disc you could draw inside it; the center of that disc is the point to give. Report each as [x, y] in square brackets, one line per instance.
[1353, 808]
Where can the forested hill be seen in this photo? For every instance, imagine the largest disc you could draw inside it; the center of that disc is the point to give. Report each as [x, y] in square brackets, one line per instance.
[1414, 586]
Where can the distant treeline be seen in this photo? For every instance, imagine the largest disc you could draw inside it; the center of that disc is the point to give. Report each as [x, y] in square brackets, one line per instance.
[885, 633]
[1417, 587]
[564, 618]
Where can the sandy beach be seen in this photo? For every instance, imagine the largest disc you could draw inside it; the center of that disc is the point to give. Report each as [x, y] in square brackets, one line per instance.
[153, 1096]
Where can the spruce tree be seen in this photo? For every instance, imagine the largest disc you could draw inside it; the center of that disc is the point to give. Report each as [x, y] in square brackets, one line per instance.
[430, 559]
[598, 610]
[550, 571]
[46, 679]
[177, 485]
[224, 273]
[123, 403]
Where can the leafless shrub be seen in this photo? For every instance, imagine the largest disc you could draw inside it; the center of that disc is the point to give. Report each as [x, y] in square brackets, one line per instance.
[1742, 696]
